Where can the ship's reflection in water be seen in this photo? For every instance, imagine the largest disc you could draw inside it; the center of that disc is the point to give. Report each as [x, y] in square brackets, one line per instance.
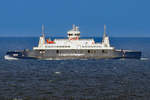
[118, 79]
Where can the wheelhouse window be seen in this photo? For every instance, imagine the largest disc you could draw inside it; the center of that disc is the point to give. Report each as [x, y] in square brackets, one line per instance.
[70, 34]
[77, 34]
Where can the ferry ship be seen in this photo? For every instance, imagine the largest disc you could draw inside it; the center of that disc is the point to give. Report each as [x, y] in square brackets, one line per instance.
[73, 48]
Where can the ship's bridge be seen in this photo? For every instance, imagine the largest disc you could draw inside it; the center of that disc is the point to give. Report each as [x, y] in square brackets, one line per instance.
[74, 34]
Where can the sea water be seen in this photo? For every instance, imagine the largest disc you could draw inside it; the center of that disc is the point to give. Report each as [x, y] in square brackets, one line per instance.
[107, 79]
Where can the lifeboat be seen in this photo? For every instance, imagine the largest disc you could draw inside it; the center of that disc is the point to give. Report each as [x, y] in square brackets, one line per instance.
[49, 41]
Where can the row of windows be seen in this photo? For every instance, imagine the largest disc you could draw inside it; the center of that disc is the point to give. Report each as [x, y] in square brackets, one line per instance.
[89, 51]
[93, 51]
[57, 46]
[91, 46]
[69, 46]
[74, 34]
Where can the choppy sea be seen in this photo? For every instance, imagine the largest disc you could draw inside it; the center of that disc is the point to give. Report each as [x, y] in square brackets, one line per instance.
[107, 79]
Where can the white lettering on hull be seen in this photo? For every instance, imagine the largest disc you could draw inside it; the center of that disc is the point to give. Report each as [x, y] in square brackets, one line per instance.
[71, 54]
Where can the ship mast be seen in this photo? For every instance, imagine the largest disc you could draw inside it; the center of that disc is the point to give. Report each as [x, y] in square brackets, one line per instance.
[42, 38]
[104, 35]
[105, 40]
[43, 30]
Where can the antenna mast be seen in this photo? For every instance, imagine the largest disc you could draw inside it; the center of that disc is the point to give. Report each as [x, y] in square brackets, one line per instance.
[104, 31]
[43, 30]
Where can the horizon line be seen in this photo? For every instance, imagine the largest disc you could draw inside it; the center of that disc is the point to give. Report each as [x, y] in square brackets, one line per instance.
[80, 37]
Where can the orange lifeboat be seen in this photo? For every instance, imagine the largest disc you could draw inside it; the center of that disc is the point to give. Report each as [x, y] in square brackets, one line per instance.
[49, 42]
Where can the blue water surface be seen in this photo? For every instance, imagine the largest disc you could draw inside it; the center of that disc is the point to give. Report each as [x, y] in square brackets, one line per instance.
[107, 79]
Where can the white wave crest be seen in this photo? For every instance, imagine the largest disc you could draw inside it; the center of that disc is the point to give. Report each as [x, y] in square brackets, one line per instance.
[144, 59]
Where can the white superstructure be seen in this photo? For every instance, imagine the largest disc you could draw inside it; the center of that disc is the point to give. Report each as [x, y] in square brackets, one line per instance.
[73, 41]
